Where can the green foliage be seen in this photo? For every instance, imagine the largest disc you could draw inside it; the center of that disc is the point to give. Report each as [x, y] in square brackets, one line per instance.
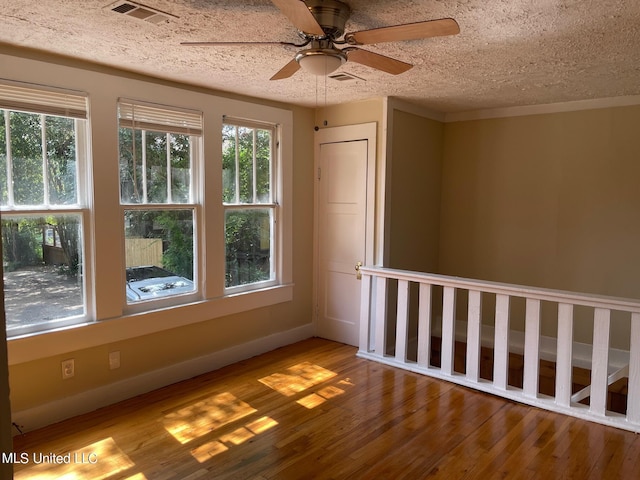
[239, 162]
[61, 160]
[21, 243]
[27, 158]
[248, 243]
[166, 155]
[178, 233]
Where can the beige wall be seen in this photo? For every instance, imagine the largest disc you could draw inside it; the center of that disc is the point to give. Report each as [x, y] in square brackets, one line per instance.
[37, 382]
[548, 200]
[414, 177]
[351, 114]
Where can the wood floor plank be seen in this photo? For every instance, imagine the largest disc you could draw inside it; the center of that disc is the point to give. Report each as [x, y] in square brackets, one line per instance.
[315, 410]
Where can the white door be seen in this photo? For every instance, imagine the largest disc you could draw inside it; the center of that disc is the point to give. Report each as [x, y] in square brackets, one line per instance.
[342, 236]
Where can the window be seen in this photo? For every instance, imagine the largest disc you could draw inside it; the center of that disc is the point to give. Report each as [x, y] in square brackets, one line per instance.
[159, 148]
[250, 209]
[44, 209]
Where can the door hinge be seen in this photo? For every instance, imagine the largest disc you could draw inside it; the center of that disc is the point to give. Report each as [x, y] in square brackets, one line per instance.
[319, 173]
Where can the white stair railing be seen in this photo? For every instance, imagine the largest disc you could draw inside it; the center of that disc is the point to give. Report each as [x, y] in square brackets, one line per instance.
[402, 312]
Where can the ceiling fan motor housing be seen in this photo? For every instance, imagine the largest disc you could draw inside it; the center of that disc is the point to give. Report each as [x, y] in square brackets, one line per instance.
[332, 16]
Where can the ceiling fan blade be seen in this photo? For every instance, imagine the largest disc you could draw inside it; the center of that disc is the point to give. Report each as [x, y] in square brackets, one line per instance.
[409, 31]
[286, 71]
[377, 61]
[235, 44]
[300, 15]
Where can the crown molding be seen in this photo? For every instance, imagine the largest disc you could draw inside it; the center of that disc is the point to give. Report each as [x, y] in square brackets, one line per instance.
[562, 107]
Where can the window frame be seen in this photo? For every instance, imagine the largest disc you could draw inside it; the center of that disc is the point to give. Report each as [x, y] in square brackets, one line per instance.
[54, 102]
[108, 321]
[152, 121]
[273, 205]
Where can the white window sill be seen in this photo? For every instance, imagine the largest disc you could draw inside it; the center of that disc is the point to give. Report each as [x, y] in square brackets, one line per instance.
[87, 335]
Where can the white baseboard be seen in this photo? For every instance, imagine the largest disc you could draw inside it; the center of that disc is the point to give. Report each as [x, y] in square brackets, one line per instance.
[58, 410]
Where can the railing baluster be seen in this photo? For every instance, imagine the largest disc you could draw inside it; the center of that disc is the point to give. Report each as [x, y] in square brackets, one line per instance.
[365, 314]
[448, 329]
[501, 345]
[600, 361]
[474, 335]
[381, 316]
[633, 395]
[402, 321]
[424, 325]
[564, 352]
[531, 348]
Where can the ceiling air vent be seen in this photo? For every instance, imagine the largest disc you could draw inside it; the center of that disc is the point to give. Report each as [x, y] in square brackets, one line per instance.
[344, 77]
[141, 12]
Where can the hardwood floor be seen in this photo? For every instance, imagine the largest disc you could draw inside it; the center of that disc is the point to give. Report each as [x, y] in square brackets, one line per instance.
[314, 410]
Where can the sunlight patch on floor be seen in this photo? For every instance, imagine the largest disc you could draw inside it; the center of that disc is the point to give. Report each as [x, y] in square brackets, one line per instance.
[297, 378]
[237, 437]
[205, 416]
[318, 398]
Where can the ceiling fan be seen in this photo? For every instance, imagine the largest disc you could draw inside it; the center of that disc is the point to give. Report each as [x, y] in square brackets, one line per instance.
[321, 24]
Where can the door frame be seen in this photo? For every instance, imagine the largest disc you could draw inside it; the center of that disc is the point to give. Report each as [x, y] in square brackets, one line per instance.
[347, 133]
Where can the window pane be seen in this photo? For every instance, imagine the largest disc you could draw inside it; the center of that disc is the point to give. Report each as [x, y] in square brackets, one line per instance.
[42, 269]
[248, 246]
[130, 166]
[229, 164]
[180, 151]
[26, 154]
[156, 168]
[263, 166]
[159, 253]
[61, 158]
[4, 193]
[245, 163]
[156, 157]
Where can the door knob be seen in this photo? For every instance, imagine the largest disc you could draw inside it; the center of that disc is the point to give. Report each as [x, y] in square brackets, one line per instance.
[358, 273]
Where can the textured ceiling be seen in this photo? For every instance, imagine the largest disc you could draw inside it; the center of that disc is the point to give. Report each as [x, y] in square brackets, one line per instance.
[508, 53]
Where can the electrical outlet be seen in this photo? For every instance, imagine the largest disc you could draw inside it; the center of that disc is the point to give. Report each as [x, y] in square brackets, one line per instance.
[68, 368]
[114, 360]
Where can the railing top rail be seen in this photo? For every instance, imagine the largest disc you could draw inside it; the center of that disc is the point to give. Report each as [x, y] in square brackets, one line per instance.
[537, 293]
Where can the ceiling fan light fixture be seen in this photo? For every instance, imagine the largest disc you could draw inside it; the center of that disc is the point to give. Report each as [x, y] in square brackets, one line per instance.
[320, 62]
